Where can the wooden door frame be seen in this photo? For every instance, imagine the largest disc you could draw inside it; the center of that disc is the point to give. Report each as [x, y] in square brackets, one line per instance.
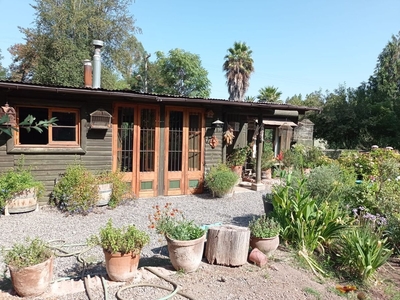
[185, 173]
[137, 176]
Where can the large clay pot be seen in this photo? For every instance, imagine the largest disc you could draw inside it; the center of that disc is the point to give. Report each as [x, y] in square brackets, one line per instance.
[121, 267]
[186, 255]
[34, 280]
[24, 201]
[105, 192]
[265, 245]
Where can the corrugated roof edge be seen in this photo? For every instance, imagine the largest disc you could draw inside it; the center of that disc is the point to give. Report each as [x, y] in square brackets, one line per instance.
[157, 97]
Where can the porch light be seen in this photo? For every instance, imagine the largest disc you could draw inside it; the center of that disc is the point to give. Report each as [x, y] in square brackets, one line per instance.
[217, 124]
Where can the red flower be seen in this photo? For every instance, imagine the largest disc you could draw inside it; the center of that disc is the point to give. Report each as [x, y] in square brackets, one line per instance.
[279, 156]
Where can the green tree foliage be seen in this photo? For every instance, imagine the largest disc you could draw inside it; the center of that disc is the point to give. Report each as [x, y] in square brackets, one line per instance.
[178, 73]
[295, 100]
[269, 94]
[3, 71]
[338, 122]
[238, 67]
[62, 38]
[367, 115]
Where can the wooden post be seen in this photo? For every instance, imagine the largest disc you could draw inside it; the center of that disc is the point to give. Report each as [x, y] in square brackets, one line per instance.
[227, 245]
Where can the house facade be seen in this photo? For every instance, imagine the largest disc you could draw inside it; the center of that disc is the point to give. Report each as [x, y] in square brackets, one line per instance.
[162, 144]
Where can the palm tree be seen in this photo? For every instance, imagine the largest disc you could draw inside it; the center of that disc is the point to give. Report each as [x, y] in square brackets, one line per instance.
[238, 67]
[269, 94]
[250, 99]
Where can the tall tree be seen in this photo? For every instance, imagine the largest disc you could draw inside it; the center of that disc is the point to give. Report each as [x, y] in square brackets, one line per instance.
[238, 67]
[62, 38]
[177, 73]
[295, 100]
[269, 94]
[3, 71]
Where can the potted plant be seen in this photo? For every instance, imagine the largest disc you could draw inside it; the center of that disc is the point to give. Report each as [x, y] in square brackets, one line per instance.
[121, 248]
[31, 267]
[264, 234]
[185, 240]
[221, 180]
[237, 159]
[19, 190]
[74, 192]
[111, 188]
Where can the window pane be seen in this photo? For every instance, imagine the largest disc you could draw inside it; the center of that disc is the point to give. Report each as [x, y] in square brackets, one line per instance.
[175, 141]
[125, 138]
[61, 134]
[33, 136]
[147, 140]
[194, 142]
[65, 118]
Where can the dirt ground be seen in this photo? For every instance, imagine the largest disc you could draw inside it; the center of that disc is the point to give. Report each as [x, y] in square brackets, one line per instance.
[281, 278]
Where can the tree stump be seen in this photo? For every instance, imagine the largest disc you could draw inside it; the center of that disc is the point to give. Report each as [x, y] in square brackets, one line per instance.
[227, 245]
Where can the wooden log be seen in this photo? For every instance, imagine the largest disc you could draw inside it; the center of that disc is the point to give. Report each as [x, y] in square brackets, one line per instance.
[227, 245]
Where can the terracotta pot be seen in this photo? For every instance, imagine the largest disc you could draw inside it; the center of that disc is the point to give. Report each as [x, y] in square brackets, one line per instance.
[265, 245]
[266, 174]
[186, 255]
[257, 257]
[121, 267]
[105, 192]
[24, 201]
[34, 280]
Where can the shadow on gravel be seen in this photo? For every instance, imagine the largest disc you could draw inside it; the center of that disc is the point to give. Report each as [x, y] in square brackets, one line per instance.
[5, 284]
[243, 220]
[161, 251]
[154, 261]
[76, 271]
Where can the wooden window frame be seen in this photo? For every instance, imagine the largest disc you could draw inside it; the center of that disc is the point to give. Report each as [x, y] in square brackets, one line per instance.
[76, 147]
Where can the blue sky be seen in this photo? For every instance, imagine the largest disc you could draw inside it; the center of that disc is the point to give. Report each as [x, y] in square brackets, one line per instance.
[298, 46]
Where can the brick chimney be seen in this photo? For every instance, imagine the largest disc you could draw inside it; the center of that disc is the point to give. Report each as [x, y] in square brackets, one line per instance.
[87, 73]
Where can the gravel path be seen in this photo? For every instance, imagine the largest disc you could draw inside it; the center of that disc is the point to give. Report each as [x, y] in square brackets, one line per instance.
[49, 224]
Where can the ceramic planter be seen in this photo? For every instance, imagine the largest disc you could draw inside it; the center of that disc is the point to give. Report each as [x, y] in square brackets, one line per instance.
[186, 255]
[265, 245]
[21, 202]
[121, 267]
[105, 192]
[34, 280]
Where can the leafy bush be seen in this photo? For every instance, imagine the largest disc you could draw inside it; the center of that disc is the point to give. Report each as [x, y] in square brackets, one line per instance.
[360, 250]
[329, 183]
[16, 180]
[30, 253]
[220, 179]
[264, 227]
[124, 240]
[171, 222]
[74, 192]
[306, 225]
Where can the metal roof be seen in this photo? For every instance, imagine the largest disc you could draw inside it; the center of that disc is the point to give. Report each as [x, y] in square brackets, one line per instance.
[149, 96]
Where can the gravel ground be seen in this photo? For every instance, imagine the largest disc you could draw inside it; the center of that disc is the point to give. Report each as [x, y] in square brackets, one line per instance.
[280, 280]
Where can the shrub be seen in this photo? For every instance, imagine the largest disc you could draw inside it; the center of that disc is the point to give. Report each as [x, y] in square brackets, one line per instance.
[74, 192]
[329, 183]
[171, 222]
[264, 227]
[124, 239]
[220, 179]
[16, 180]
[30, 253]
[360, 250]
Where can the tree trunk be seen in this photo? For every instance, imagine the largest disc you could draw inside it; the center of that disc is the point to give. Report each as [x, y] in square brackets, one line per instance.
[227, 245]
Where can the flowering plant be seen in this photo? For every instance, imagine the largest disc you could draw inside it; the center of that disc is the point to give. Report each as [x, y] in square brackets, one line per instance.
[171, 222]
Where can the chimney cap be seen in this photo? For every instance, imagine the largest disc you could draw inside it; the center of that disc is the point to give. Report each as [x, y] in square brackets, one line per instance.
[98, 43]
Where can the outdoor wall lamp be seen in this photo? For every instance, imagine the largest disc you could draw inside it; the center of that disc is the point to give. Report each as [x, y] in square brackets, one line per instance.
[217, 124]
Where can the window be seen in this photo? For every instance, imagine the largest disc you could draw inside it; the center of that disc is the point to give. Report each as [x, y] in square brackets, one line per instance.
[65, 133]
